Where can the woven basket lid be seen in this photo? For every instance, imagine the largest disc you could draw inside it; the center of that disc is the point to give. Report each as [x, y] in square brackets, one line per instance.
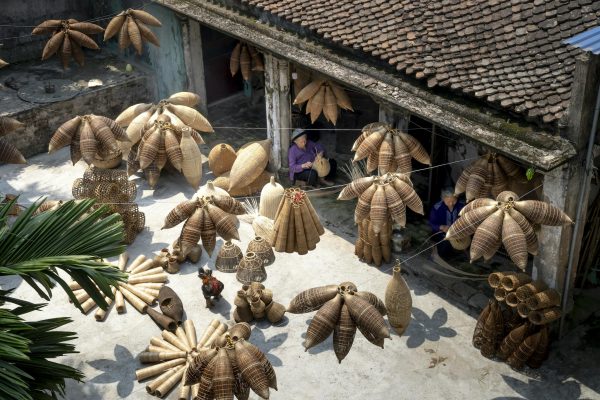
[262, 249]
[229, 257]
[251, 269]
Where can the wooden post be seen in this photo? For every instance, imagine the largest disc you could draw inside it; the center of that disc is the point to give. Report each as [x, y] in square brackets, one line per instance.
[279, 109]
[194, 61]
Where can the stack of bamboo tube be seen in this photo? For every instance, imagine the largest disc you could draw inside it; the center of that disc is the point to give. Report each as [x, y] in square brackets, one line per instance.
[514, 325]
[141, 289]
[297, 227]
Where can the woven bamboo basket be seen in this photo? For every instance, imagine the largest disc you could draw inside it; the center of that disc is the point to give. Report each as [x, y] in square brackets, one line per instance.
[109, 161]
[270, 196]
[209, 189]
[223, 182]
[221, 159]
[251, 269]
[398, 302]
[262, 249]
[249, 164]
[229, 258]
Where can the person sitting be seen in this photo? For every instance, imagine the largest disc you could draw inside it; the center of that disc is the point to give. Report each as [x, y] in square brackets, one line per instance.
[301, 155]
[443, 214]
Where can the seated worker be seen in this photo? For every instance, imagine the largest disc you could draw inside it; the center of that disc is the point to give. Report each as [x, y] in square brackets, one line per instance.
[301, 154]
[442, 215]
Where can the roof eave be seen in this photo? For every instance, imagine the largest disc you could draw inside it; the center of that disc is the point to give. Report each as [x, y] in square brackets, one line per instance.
[532, 146]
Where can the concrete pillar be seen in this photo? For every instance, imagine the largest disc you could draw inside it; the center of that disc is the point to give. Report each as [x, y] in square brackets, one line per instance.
[194, 61]
[563, 186]
[279, 108]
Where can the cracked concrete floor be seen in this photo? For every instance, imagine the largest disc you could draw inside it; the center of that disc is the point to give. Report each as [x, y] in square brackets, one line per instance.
[434, 359]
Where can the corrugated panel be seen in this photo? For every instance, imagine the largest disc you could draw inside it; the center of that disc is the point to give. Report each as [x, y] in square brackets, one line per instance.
[588, 40]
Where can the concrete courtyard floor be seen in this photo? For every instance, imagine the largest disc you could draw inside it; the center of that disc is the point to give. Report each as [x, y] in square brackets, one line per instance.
[434, 359]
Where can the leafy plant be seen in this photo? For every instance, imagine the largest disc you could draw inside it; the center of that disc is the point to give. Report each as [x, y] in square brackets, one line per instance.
[73, 238]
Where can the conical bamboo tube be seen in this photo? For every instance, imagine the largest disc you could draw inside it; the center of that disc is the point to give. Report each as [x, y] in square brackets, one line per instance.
[184, 390]
[168, 384]
[214, 324]
[221, 329]
[100, 313]
[156, 349]
[545, 315]
[119, 302]
[73, 285]
[144, 266]
[134, 300]
[291, 245]
[529, 289]
[545, 299]
[495, 278]
[148, 299]
[301, 242]
[511, 299]
[151, 357]
[164, 344]
[500, 294]
[151, 292]
[163, 277]
[310, 230]
[174, 340]
[152, 385]
[88, 305]
[512, 341]
[136, 263]
[513, 281]
[375, 245]
[523, 309]
[315, 217]
[150, 285]
[180, 333]
[195, 390]
[190, 333]
[82, 296]
[153, 370]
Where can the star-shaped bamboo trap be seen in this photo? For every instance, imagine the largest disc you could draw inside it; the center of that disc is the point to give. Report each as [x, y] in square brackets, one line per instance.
[181, 359]
[140, 290]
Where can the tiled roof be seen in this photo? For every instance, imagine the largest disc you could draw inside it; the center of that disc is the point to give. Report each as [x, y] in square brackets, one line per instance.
[506, 52]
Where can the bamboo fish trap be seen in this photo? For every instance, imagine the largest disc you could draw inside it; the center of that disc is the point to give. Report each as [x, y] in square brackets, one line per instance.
[388, 149]
[254, 301]
[227, 365]
[205, 217]
[249, 164]
[9, 153]
[341, 310]
[221, 159]
[113, 189]
[92, 138]
[297, 227]
[270, 197]
[506, 221]
[247, 59]
[487, 175]
[323, 96]
[140, 290]
[166, 134]
[67, 38]
[132, 29]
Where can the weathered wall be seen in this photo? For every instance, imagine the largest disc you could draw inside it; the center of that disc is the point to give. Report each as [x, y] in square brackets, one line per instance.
[23, 15]
[41, 121]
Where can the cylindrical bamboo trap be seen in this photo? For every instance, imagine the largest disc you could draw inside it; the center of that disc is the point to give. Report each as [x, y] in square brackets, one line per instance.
[545, 315]
[214, 324]
[545, 299]
[154, 370]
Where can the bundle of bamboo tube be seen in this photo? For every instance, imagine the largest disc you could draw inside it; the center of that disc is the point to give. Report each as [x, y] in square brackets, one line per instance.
[167, 133]
[341, 310]
[487, 175]
[67, 38]
[181, 358]
[140, 290]
[514, 325]
[388, 149]
[505, 221]
[205, 217]
[297, 227]
[132, 27]
[374, 247]
[324, 96]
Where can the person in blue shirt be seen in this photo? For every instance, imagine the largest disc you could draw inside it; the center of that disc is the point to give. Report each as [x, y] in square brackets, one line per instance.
[442, 215]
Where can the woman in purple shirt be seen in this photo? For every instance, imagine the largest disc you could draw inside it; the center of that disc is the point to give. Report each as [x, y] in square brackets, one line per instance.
[301, 155]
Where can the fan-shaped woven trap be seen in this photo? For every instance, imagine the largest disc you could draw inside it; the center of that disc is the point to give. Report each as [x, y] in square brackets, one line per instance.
[324, 96]
[221, 364]
[489, 174]
[205, 217]
[247, 59]
[91, 137]
[132, 27]
[254, 301]
[8, 153]
[297, 227]
[166, 134]
[341, 310]
[67, 38]
[112, 188]
[505, 221]
[141, 288]
[388, 149]
[514, 327]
